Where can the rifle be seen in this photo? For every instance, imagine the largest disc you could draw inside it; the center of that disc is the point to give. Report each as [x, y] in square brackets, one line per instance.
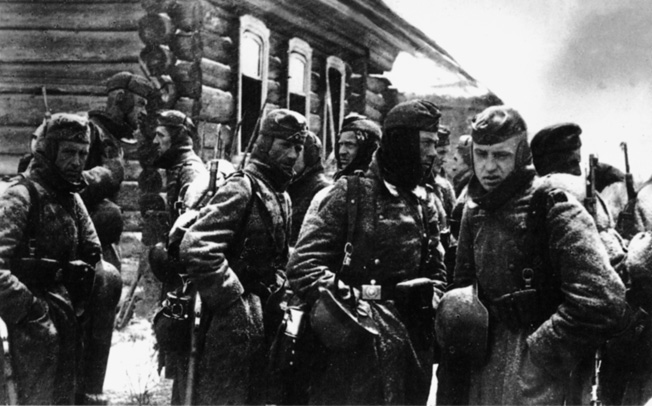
[194, 351]
[253, 138]
[126, 308]
[10, 383]
[629, 179]
[590, 201]
[48, 113]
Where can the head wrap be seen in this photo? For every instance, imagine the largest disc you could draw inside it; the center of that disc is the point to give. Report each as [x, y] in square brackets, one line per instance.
[368, 135]
[399, 156]
[128, 81]
[285, 124]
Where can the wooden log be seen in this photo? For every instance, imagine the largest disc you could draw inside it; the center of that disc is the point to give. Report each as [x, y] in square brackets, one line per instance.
[66, 77]
[215, 74]
[27, 110]
[15, 140]
[373, 114]
[186, 45]
[315, 103]
[218, 48]
[9, 164]
[186, 14]
[108, 16]
[158, 59]
[155, 29]
[185, 105]
[315, 82]
[315, 123]
[187, 77]
[276, 69]
[128, 196]
[157, 6]
[274, 93]
[375, 100]
[377, 83]
[217, 20]
[69, 46]
[217, 105]
[132, 221]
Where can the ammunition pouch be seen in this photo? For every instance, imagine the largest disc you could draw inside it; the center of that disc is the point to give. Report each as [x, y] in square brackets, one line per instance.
[76, 276]
[173, 321]
[413, 298]
[520, 309]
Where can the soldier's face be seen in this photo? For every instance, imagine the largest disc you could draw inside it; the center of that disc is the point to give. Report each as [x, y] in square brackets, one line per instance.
[284, 154]
[71, 158]
[493, 163]
[347, 148]
[138, 111]
[162, 139]
[459, 166]
[428, 147]
[441, 159]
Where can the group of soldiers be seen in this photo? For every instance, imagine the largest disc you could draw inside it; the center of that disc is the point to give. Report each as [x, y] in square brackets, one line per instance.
[509, 272]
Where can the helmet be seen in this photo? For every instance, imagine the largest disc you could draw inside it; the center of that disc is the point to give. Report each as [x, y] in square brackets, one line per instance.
[462, 325]
[339, 327]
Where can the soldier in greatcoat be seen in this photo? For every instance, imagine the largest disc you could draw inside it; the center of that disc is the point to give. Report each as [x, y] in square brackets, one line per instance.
[235, 254]
[174, 135]
[395, 275]
[544, 277]
[48, 252]
[308, 180]
[104, 172]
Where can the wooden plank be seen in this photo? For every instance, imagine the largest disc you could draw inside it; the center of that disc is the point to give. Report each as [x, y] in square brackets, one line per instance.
[15, 140]
[69, 46]
[68, 77]
[108, 16]
[27, 110]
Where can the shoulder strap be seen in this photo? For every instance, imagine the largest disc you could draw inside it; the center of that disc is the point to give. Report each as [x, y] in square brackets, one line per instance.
[239, 234]
[542, 276]
[352, 205]
[27, 248]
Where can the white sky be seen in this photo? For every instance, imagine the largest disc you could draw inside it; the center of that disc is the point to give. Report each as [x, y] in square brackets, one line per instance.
[587, 61]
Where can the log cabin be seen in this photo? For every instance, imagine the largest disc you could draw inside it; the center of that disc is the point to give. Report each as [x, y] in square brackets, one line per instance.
[224, 62]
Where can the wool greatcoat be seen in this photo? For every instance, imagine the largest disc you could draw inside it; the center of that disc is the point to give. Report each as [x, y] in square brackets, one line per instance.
[396, 241]
[235, 260]
[532, 364]
[637, 214]
[43, 328]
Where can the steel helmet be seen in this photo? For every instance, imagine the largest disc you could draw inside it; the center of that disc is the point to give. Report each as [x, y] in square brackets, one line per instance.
[339, 327]
[462, 325]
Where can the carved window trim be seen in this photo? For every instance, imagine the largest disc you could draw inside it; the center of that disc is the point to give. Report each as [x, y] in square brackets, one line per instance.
[301, 49]
[250, 25]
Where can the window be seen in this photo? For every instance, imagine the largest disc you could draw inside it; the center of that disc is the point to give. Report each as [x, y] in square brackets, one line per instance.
[254, 65]
[334, 101]
[299, 69]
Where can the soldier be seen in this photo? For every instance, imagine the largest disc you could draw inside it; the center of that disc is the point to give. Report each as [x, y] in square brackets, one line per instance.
[390, 283]
[461, 169]
[174, 135]
[103, 173]
[437, 179]
[48, 248]
[235, 254]
[359, 138]
[308, 180]
[540, 269]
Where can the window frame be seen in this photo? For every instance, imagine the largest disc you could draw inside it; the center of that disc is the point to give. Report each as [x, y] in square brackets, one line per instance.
[253, 26]
[303, 50]
[333, 62]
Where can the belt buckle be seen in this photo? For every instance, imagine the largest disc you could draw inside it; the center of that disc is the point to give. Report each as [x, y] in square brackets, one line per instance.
[371, 291]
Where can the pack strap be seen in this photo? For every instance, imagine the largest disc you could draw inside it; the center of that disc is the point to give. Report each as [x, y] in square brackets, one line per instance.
[28, 247]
